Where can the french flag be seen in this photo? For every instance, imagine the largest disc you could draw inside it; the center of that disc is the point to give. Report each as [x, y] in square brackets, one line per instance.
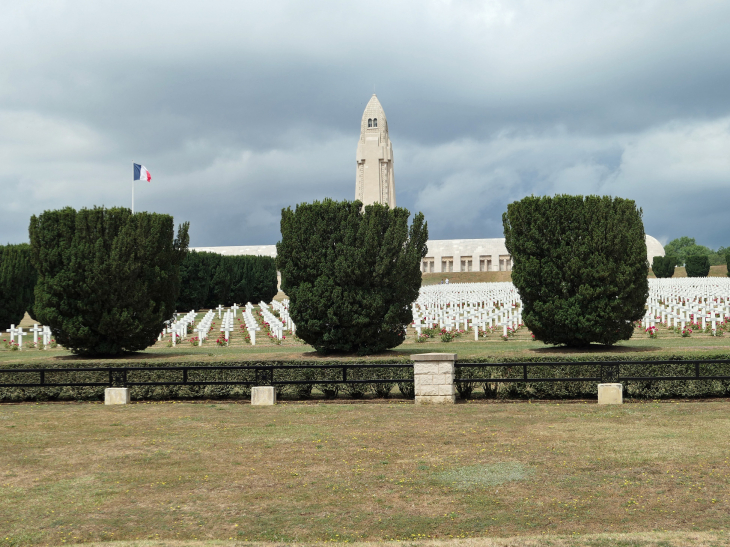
[141, 173]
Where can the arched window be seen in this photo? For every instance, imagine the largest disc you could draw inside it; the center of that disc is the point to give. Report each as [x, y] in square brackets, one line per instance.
[370, 122]
[375, 122]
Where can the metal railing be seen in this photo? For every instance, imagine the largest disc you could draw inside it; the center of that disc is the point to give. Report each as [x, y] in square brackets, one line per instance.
[258, 375]
[608, 371]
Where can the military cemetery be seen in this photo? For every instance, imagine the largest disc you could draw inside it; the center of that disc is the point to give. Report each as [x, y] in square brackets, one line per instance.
[239, 347]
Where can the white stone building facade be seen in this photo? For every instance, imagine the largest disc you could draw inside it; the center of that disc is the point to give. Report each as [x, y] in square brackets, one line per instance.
[444, 255]
[486, 255]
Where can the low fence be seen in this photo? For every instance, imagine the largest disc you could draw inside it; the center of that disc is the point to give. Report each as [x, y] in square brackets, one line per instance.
[238, 375]
[566, 379]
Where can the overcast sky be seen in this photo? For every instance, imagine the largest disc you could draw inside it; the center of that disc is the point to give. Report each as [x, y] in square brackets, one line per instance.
[239, 108]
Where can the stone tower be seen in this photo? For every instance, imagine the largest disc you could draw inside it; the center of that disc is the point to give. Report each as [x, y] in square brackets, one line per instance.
[374, 181]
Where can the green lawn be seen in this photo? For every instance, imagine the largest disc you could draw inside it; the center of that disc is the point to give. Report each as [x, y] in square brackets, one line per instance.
[465, 347]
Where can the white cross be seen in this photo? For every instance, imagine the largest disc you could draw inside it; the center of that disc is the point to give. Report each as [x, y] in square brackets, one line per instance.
[220, 309]
[13, 331]
[20, 334]
[46, 335]
[235, 308]
[36, 330]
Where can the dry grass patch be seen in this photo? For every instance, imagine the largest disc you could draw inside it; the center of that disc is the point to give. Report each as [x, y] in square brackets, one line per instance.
[654, 539]
[308, 473]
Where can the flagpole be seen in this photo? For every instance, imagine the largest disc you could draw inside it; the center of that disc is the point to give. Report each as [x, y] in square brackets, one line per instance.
[132, 187]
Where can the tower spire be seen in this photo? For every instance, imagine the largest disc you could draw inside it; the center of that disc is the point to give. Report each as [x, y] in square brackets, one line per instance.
[374, 181]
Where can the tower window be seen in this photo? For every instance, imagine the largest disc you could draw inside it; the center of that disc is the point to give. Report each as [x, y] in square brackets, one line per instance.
[370, 122]
[375, 122]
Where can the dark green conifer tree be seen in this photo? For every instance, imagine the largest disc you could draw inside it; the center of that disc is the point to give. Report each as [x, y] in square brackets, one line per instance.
[107, 279]
[579, 265]
[351, 275]
[17, 283]
[698, 266]
[663, 266]
[195, 278]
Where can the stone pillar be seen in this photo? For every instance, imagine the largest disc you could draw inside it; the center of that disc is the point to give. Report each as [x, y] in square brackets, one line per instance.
[433, 378]
[116, 396]
[263, 395]
[610, 394]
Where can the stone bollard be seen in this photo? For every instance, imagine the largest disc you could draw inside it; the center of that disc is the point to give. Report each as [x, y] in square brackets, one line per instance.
[116, 396]
[610, 394]
[263, 395]
[433, 378]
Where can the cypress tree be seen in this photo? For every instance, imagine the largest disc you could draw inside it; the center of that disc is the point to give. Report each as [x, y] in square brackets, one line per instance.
[663, 266]
[17, 283]
[241, 279]
[107, 279]
[195, 278]
[697, 266]
[351, 275]
[579, 265]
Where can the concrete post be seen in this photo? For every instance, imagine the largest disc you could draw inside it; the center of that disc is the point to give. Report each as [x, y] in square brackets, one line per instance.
[263, 395]
[433, 378]
[610, 394]
[116, 396]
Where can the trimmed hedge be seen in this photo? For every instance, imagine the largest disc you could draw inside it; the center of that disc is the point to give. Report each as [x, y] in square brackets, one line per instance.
[351, 275]
[654, 389]
[663, 266]
[579, 265]
[107, 279]
[318, 379]
[697, 266]
[17, 283]
[209, 279]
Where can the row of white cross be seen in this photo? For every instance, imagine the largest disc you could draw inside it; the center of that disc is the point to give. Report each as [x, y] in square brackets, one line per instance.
[676, 302]
[475, 305]
[251, 324]
[283, 309]
[44, 331]
[227, 323]
[179, 327]
[275, 326]
[204, 325]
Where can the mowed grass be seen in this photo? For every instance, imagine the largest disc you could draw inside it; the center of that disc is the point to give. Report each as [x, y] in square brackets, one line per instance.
[493, 347]
[77, 473]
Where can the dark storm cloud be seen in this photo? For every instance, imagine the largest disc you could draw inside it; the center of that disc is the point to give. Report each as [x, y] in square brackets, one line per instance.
[240, 109]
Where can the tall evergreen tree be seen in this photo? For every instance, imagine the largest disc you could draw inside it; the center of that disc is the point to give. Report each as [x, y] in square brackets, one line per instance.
[351, 275]
[697, 266]
[17, 283]
[663, 266]
[579, 265]
[195, 278]
[107, 279]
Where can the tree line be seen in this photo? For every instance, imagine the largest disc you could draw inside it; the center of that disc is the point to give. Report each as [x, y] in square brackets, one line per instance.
[106, 280]
[697, 259]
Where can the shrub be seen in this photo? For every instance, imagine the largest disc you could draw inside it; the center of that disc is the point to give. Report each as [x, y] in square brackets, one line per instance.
[314, 377]
[107, 279]
[17, 283]
[668, 365]
[195, 276]
[663, 266]
[240, 279]
[351, 275]
[579, 265]
[697, 266]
